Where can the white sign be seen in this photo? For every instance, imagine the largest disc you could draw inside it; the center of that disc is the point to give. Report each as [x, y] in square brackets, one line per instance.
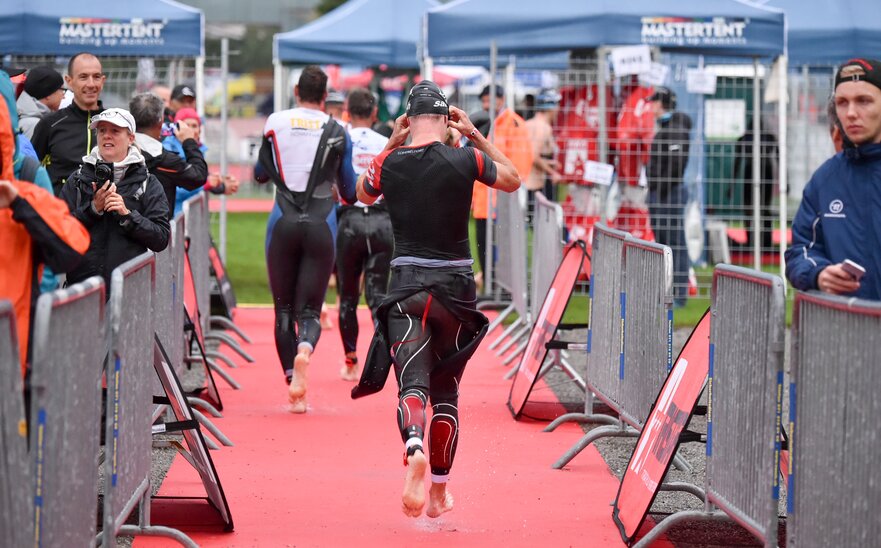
[599, 173]
[700, 81]
[656, 75]
[724, 119]
[631, 60]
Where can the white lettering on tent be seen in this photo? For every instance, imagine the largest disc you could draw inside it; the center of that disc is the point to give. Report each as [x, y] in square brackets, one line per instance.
[680, 31]
[83, 31]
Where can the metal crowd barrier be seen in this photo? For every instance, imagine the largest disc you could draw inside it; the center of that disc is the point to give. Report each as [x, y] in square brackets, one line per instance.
[198, 226]
[178, 248]
[130, 375]
[15, 477]
[744, 404]
[631, 339]
[833, 494]
[198, 232]
[547, 246]
[512, 270]
[66, 371]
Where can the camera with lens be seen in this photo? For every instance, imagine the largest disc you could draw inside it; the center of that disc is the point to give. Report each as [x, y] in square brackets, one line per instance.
[103, 172]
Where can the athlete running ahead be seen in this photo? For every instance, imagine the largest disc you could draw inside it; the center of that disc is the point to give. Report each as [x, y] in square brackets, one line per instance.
[364, 241]
[429, 323]
[305, 153]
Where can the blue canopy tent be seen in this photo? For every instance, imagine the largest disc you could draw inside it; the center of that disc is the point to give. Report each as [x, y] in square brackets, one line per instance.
[161, 28]
[468, 28]
[709, 27]
[827, 32]
[360, 32]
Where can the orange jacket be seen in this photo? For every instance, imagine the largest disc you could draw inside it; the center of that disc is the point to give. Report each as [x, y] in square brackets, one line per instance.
[512, 140]
[36, 228]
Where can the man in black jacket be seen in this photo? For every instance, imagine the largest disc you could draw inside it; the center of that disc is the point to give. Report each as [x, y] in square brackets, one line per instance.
[62, 138]
[667, 194]
[124, 208]
[172, 171]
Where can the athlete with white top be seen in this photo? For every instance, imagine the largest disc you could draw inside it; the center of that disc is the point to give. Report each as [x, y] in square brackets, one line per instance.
[364, 241]
[305, 153]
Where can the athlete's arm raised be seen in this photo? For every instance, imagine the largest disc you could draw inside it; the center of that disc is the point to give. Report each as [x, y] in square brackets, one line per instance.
[507, 178]
[398, 137]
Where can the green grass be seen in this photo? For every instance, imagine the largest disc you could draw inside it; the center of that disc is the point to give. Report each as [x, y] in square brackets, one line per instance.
[246, 265]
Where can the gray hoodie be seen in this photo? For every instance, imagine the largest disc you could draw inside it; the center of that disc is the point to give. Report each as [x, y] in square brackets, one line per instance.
[30, 111]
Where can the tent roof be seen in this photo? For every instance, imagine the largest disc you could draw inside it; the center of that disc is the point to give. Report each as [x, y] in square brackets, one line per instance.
[713, 27]
[830, 31]
[360, 32]
[160, 28]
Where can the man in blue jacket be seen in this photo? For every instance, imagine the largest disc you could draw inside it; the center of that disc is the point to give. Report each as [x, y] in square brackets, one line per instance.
[838, 218]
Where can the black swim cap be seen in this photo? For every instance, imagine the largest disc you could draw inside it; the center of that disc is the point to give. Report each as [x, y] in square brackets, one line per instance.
[427, 98]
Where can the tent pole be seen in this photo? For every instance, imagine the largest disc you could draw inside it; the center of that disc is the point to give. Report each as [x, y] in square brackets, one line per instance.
[757, 170]
[200, 85]
[224, 131]
[490, 210]
[426, 65]
[277, 85]
[603, 148]
[782, 166]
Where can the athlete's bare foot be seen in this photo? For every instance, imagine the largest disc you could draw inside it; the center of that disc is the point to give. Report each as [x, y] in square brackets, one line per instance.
[414, 485]
[349, 370]
[297, 388]
[440, 500]
[324, 319]
[298, 405]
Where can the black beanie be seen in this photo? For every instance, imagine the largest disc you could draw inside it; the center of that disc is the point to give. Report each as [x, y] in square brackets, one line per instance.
[427, 98]
[42, 82]
[860, 70]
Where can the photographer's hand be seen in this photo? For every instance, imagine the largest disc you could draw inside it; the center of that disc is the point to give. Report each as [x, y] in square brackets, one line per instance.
[183, 132]
[8, 193]
[101, 194]
[115, 204]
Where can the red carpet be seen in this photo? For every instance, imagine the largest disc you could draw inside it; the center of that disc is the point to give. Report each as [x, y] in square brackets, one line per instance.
[333, 477]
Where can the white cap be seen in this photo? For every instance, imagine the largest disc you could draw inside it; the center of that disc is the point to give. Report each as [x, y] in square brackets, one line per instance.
[116, 116]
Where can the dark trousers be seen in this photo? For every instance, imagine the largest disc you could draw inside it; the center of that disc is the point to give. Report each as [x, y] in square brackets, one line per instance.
[667, 215]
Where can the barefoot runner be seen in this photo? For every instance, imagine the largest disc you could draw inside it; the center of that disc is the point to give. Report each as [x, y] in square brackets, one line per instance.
[429, 323]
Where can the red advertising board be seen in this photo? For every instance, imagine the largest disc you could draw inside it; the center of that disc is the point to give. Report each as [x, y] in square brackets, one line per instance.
[660, 436]
[545, 327]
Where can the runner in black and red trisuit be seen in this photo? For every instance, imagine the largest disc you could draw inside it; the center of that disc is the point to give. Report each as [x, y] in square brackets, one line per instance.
[429, 323]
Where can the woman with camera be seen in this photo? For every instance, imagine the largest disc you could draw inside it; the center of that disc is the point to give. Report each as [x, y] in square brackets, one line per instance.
[121, 204]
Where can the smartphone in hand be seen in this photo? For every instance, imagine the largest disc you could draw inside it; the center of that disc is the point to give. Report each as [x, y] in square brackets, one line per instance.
[853, 269]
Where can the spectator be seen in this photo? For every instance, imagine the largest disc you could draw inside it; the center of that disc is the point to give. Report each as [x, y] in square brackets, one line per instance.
[62, 138]
[335, 104]
[306, 153]
[512, 140]
[364, 241]
[182, 96]
[743, 158]
[544, 173]
[43, 91]
[838, 217]
[121, 204]
[37, 229]
[667, 193]
[188, 119]
[189, 171]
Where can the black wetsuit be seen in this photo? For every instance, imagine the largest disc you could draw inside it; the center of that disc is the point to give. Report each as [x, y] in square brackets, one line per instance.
[428, 323]
[299, 243]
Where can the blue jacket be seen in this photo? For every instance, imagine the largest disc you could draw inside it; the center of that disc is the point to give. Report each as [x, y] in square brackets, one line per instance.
[840, 218]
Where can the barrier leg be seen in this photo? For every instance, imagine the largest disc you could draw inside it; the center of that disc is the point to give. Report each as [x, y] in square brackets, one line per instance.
[573, 374]
[618, 431]
[210, 409]
[217, 369]
[672, 520]
[230, 342]
[685, 488]
[499, 319]
[211, 427]
[517, 351]
[508, 330]
[226, 323]
[144, 527]
[215, 355]
[513, 339]
[587, 417]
